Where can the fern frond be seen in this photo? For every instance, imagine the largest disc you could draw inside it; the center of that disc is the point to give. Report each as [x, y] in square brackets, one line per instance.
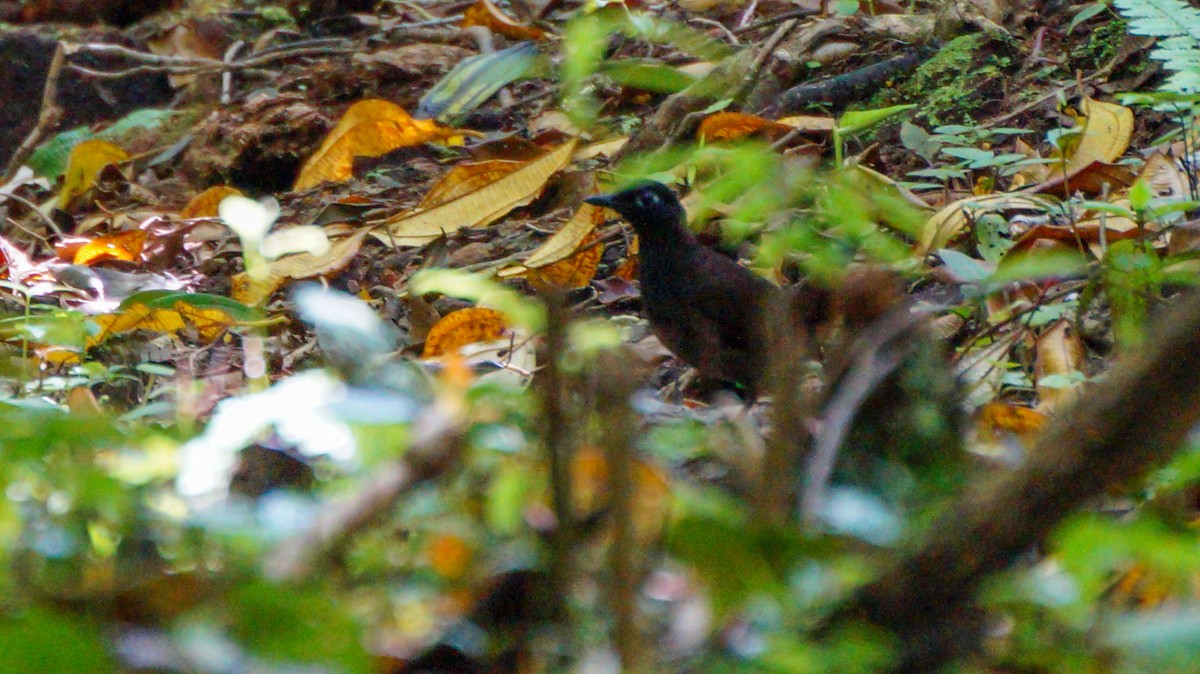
[1176, 24]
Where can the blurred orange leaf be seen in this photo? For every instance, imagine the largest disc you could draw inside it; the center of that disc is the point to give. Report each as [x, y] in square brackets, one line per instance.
[449, 555]
[204, 205]
[462, 327]
[731, 125]
[368, 129]
[651, 500]
[84, 164]
[484, 13]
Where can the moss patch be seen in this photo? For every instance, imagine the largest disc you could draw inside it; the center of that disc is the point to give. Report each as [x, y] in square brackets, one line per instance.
[950, 86]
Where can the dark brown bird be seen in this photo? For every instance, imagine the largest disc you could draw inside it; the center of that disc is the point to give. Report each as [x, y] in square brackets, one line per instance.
[706, 308]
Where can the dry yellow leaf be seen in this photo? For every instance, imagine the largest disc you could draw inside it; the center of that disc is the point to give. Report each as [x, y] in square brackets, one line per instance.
[466, 178]
[302, 265]
[943, 226]
[462, 327]
[563, 243]
[368, 129]
[1106, 133]
[204, 205]
[85, 163]
[480, 207]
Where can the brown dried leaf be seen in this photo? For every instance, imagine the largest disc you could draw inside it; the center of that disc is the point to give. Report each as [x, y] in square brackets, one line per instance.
[1059, 352]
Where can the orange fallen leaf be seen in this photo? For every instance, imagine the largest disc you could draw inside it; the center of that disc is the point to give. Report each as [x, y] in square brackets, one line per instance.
[465, 326]
[484, 13]
[466, 178]
[370, 128]
[204, 205]
[576, 271]
[125, 246]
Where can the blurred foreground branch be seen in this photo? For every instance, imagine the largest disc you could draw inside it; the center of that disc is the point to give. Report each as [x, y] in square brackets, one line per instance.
[1133, 421]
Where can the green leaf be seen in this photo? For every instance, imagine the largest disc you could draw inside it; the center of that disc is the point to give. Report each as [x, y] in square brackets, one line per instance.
[50, 158]
[647, 75]
[41, 641]
[292, 624]
[475, 80]
[166, 299]
[1140, 195]
[859, 120]
[963, 266]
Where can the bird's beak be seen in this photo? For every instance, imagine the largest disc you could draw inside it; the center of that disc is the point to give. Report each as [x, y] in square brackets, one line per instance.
[603, 200]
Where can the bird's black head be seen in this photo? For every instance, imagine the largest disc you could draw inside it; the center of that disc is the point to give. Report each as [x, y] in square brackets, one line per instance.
[649, 206]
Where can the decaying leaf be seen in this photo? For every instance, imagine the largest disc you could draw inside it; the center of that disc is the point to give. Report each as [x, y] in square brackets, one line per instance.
[479, 207]
[1058, 369]
[368, 129]
[84, 164]
[460, 328]
[485, 13]
[732, 125]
